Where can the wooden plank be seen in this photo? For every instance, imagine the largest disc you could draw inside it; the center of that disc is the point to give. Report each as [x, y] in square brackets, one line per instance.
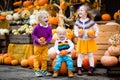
[103, 47]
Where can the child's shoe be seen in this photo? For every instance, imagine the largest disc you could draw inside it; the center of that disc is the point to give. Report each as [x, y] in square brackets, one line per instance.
[38, 73]
[91, 71]
[55, 74]
[46, 73]
[70, 74]
[79, 71]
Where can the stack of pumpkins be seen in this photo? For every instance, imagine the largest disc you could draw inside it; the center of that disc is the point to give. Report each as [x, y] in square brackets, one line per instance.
[112, 55]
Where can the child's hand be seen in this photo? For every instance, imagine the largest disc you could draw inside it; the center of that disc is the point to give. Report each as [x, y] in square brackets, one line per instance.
[92, 36]
[80, 35]
[41, 41]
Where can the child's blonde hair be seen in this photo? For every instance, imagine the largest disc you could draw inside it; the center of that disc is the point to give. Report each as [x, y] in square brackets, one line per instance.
[40, 13]
[88, 11]
[60, 29]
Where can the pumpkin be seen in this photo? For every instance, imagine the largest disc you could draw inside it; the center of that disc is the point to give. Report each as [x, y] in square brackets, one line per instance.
[63, 69]
[17, 10]
[42, 2]
[106, 17]
[2, 18]
[86, 64]
[18, 3]
[9, 17]
[27, 3]
[24, 63]
[116, 14]
[31, 61]
[7, 60]
[63, 52]
[42, 39]
[73, 54]
[114, 50]
[36, 3]
[14, 62]
[16, 16]
[52, 53]
[90, 32]
[109, 60]
[52, 20]
[69, 34]
[80, 31]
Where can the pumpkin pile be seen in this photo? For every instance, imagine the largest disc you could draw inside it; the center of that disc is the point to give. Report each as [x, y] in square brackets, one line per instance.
[112, 55]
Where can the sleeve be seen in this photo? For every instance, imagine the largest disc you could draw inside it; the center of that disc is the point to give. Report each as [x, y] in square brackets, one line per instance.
[50, 36]
[71, 46]
[34, 34]
[76, 30]
[96, 29]
[56, 47]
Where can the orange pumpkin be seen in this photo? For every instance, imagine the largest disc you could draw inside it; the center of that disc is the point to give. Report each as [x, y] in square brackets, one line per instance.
[116, 14]
[109, 60]
[86, 64]
[63, 52]
[42, 2]
[73, 54]
[69, 34]
[63, 69]
[80, 31]
[42, 39]
[36, 3]
[27, 3]
[52, 53]
[53, 20]
[91, 32]
[14, 62]
[24, 63]
[7, 60]
[31, 61]
[106, 17]
[2, 18]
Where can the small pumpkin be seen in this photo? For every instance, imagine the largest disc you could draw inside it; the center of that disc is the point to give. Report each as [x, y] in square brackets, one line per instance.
[91, 32]
[24, 63]
[7, 60]
[14, 62]
[31, 61]
[63, 52]
[42, 39]
[53, 20]
[81, 31]
[106, 17]
[116, 14]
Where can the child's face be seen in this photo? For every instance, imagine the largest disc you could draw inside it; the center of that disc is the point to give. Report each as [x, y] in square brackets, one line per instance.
[61, 35]
[82, 11]
[43, 19]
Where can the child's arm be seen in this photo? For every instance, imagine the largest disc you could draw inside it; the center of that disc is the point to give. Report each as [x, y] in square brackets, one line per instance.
[76, 30]
[96, 30]
[71, 46]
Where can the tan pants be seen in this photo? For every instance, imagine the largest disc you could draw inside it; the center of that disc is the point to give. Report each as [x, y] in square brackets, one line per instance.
[40, 51]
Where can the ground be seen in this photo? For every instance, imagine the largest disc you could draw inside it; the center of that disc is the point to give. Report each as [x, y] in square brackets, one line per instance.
[8, 72]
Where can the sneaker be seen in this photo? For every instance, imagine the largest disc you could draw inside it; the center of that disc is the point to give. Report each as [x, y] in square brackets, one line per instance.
[38, 73]
[46, 73]
[79, 71]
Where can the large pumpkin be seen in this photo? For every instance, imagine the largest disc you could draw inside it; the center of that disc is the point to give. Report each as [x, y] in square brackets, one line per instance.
[63, 69]
[86, 64]
[106, 17]
[109, 60]
[52, 53]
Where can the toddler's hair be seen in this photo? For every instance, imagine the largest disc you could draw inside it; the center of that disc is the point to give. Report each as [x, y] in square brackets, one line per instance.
[60, 29]
[40, 13]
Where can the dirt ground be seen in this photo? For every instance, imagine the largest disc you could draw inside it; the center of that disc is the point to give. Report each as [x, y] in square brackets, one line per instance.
[8, 72]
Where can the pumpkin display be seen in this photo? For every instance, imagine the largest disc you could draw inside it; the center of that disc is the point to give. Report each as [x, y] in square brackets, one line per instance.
[24, 63]
[86, 64]
[91, 32]
[52, 53]
[7, 60]
[63, 69]
[109, 60]
[114, 50]
[106, 17]
[14, 62]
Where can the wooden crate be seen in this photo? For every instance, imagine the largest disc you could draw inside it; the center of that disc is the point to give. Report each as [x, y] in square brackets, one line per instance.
[21, 39]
